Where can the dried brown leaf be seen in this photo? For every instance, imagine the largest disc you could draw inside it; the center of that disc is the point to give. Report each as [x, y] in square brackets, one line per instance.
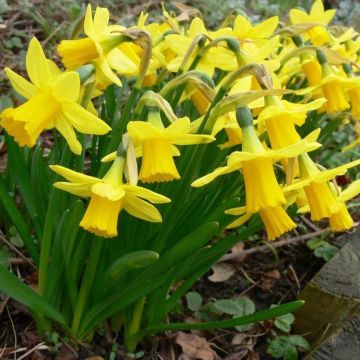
[194, 347]
[221, 272]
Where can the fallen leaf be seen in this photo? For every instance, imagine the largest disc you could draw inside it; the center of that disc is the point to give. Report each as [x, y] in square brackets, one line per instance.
[221, 272]
[194, 347]
[269, 278]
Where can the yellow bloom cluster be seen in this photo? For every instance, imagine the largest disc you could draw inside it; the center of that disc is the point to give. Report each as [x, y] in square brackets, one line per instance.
[269, 78]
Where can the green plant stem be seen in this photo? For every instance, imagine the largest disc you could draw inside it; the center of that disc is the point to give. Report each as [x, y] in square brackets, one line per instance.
[95, 252]
[135, 324]
[120, 126]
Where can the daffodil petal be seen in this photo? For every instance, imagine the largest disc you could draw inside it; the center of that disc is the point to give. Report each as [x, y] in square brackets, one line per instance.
[238, 222]
[140, 130]
[88, 23]
[83, 120]
[108, 191]
[101, 20]
[67, 131]
[37, 65]
[21, 85]
[213, 175]
[141, 209]
[293, 150]
[351, 191]
[190, 139]
[236, 211]
[147, 194]
[83, 190]
[265, 29]
[66, 87]
[73, 176]
[298, 16]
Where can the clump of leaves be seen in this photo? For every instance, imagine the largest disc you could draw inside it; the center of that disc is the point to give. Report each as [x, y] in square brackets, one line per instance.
[322, 249]
[214, 309]
[286, 346]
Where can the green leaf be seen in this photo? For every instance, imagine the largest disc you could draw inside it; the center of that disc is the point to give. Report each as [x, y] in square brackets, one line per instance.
[284, 322]
[315, 243]
[13, 287]
[15, 238]
[279, 347]
[222, 324]
[300, 341]
[193, 300]
[5, 257]
[291, 353]
[240, 307]
[18, 221]
[131, 261]
[326, 252]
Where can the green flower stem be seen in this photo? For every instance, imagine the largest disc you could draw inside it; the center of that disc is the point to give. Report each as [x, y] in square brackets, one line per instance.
[90, 271]
[130, 340]
[119, 128]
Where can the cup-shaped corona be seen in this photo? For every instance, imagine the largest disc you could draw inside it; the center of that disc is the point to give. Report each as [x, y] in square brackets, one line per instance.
[312, 70]
[75, 53]
[157, 161]
[276, 221]
[26, 122]
[354, 95]
[261, 186]
[335, 97]
[281, 131]
[341, 220]
[101, 216]
[322, 201]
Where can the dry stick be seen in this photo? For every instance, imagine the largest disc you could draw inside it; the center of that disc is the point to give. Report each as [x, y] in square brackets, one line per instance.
[280, 243]
[40, 346]
[17, 251]
[309, 223]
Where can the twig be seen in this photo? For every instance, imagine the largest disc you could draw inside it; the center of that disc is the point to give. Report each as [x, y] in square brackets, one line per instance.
[37, 347]
[277, 244]
[17, 251]
[309, 223]
[2, 306]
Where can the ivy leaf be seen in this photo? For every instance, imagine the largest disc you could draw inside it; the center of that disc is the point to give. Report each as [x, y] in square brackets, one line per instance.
[193, 300]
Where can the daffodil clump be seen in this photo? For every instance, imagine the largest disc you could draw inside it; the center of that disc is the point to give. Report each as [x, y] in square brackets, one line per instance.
[150, 141]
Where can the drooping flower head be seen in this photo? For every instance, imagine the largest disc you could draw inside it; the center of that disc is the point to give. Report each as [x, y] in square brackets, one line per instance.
[108, 196]
[52, 103]
[261, 186]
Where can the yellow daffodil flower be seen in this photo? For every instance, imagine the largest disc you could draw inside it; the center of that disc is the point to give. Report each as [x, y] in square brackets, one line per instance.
[108, 196]
[99, 47]
[261, 186]
[156, 141]
[318, 34]
[280, 117]
[321, 199]
[52, 102]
